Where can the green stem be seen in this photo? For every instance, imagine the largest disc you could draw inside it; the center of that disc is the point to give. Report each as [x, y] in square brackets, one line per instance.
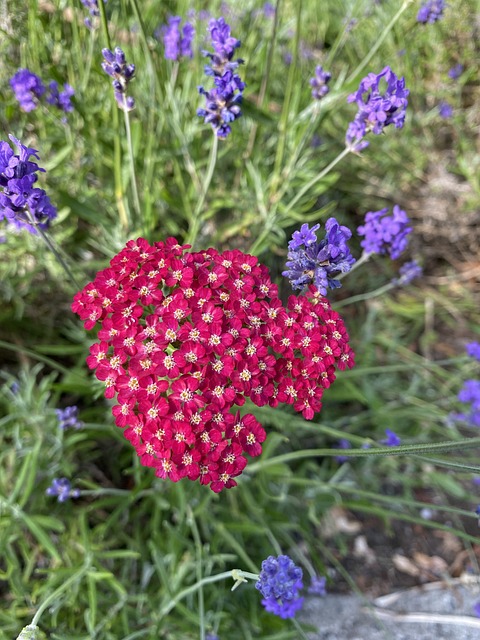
[40, 358]
[401, 450]
[195, 221]
[136, 199]
[298, 627]
[283, 124]
[378, 43]
[316, 179]
[63, 587]
[198, 569]
[262, 94]
[365, 296]
[200, 584]
[117, 152]
[365, 257]
[256, 246]
[57, 255]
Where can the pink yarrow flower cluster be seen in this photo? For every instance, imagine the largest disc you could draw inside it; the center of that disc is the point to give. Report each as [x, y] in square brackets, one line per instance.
[186, 337]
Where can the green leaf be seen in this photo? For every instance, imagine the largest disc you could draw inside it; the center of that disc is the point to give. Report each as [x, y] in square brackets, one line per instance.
[41, 535]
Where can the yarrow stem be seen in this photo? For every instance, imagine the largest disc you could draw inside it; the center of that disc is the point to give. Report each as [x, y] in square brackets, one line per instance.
[195, 221]
[414, 449]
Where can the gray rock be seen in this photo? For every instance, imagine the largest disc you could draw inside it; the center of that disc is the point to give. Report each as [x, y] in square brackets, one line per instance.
[436, 611]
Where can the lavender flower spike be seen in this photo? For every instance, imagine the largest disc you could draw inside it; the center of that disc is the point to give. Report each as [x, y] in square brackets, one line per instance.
[28, 89]
[92, 6]
[116, 67]
[68, 418]
[408, 272]
[280, 582]
[456, 71]
[61, 99]
[384, 233]
[62, 490]
[319, 83]
[473, 350]
[381, 100]
[222, 102]
[431, 11]
[21, 203]
[311, 262]
[177, 43]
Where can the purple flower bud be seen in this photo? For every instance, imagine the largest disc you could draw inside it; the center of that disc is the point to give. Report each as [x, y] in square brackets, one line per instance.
[319, 83]
[28, 89]
[21, 203]
[311, 262]
[473, 350]
[222, 103]
[62, 490]
[68, 418]
[381, 100]
[384, 233]
[445, 110]
[280, 582]
[431, 11]
[61, 99]
[392, 440]
[116, 67]
[408, 272]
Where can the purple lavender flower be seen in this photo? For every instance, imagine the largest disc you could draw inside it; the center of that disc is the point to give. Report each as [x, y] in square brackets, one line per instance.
[319, 83]
[431, 11]
[22, 204]
[385, 233]
[222, 102]
[318, 586]
[445, 110]
[470, 393]
[473, 350]
[280, 582]
[177, 42]
[342, 444]
[408, 272]
[456, 71]
[61, 99]
[312, 262]
[62, 489]
[476, 609]
[392, 440]
[68, 418]
[28, 89]
[269, 10]
[92, 6]
[305, 236]
[115, 66]
[381, 100]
